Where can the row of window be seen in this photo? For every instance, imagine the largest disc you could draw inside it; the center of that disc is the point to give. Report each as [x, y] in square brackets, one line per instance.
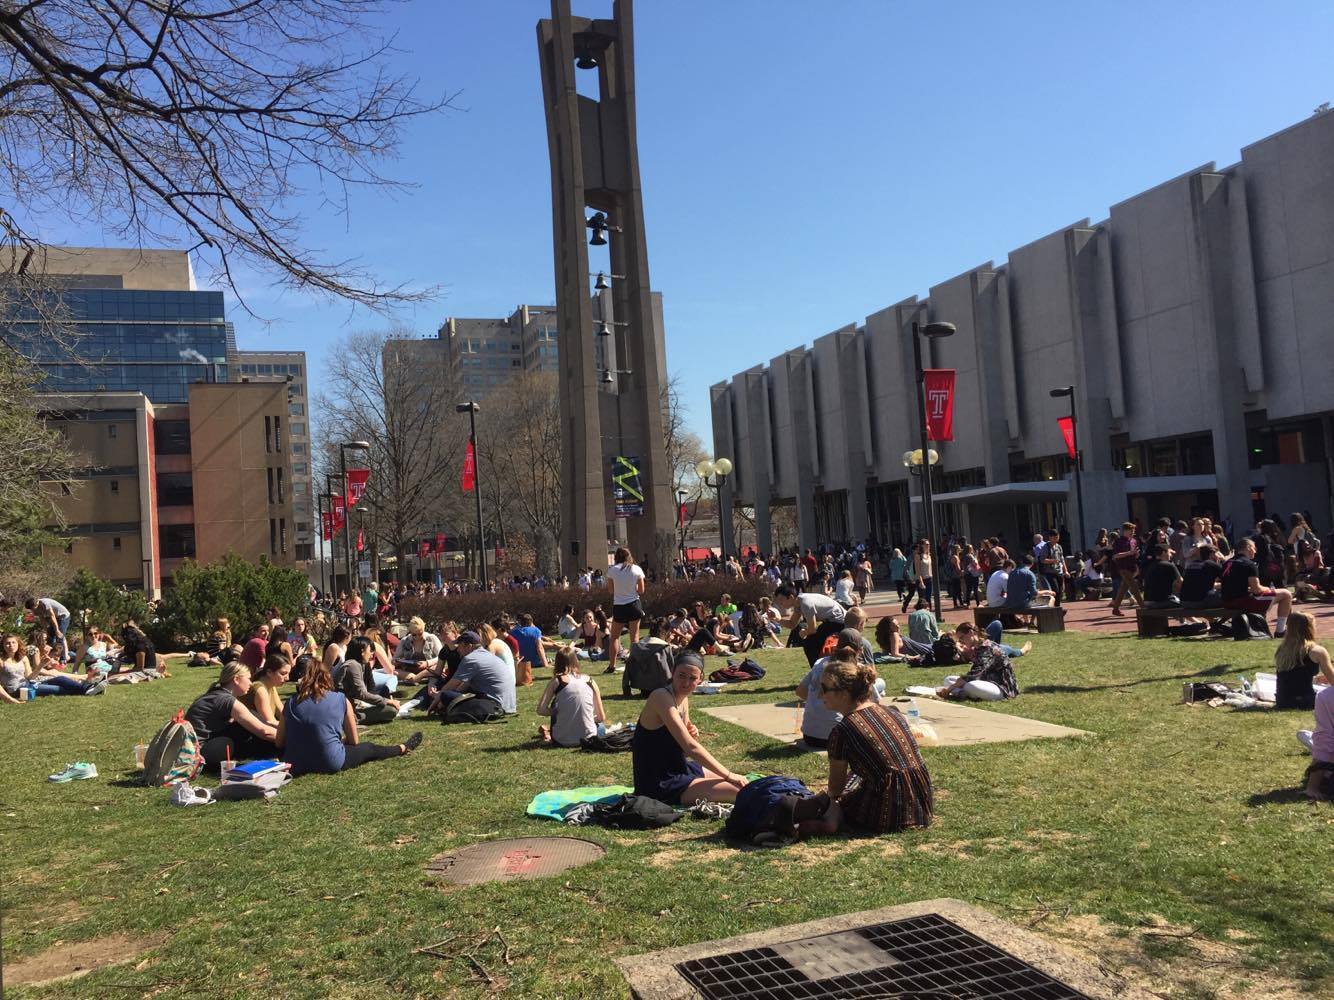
[273, 435]
[278, 536]
[270, 369]
[475, 346]
[115, 545]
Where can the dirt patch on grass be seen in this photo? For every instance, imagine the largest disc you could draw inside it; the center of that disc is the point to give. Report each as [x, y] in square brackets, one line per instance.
[66, 960]
[809, 853]
[1171, 961]
[676, 855]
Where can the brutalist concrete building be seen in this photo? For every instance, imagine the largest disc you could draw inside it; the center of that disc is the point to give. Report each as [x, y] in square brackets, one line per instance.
[1196, 322]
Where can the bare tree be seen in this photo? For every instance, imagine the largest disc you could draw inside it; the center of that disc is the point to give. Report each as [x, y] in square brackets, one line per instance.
[682, 446]
[397, 393]
[199, 121]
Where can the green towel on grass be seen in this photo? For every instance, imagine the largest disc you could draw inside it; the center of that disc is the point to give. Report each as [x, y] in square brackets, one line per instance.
[556, 803]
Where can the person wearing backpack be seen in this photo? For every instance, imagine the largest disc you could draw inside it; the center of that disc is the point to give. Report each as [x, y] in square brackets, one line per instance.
[224, 727]
[649, 665]
[572, 700]
[318, 730]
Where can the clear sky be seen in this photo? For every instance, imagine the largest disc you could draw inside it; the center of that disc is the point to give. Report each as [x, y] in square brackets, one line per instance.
[805, 164]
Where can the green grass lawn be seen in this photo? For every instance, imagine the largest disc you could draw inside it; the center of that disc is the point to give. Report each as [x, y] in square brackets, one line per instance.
[1168, 813]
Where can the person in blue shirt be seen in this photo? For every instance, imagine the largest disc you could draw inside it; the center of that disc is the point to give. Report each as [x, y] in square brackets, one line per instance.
[479, 672]
[532, 644]
[1021, 591]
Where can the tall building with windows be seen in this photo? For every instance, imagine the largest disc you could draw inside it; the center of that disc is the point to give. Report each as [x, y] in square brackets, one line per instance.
[140, 324]
[288, 367]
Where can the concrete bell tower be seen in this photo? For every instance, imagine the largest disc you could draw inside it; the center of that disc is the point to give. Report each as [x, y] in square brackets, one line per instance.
[612, 384]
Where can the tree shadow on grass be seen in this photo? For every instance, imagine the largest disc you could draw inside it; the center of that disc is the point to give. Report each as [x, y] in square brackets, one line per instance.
[1279, 796]
[781, 751]
[1215, 671]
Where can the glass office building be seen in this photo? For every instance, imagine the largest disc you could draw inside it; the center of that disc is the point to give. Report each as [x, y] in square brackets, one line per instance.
[154, 342]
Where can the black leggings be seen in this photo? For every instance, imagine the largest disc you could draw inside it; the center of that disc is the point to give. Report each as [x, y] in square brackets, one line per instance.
[365, 752]
[813, 644]
[237, 743]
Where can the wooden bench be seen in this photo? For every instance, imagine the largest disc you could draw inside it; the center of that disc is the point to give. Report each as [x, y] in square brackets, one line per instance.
[1048, 619]
[1152, 623]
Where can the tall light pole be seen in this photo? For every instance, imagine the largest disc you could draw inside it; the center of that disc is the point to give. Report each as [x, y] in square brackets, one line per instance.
[471, 409]
[719, 469]
[333, 533]
[319, 511]
[343, 449]
[681, 520]
[1069, 390]
[934, 331]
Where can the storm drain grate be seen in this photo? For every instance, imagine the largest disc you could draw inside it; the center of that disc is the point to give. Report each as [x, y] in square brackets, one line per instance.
[510, 860]
[926, 957]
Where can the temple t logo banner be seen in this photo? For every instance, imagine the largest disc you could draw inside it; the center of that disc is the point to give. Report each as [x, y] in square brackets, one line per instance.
[939, 386]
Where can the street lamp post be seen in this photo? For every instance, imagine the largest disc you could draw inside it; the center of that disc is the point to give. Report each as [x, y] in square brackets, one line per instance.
[719, 469]
[1069, 390]
[319, 511]
[681, 520]
[934, 331]
[333, 533]
[343, 448]
[471, 409]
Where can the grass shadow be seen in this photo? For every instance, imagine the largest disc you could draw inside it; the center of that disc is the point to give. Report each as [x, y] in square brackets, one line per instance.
[781, 751]
[1215, 671]
[1279, 796]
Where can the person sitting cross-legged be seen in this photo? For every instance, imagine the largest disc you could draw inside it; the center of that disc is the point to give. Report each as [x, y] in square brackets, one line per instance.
[225, 728]
[572, 700]
[991, 677]
[533, 645]
[318, 730]
[480, 672]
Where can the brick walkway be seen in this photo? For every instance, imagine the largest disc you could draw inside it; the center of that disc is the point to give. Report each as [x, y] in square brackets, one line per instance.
[1084, 616]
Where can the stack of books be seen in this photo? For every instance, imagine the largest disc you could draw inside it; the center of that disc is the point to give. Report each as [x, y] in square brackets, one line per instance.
[253, 779]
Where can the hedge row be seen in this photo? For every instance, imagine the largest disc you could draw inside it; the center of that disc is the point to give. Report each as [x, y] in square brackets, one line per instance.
[546, 606]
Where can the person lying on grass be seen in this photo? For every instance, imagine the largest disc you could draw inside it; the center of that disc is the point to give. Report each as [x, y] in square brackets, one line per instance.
[572, 700]
[225, 728]
[665, 749]
[318, 730]
[992, 676]
[263, 698]
[893, 789]
[16, 673]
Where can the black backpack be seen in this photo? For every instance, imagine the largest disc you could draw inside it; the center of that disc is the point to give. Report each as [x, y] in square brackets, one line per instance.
[617, 742]
[474, 708]
[945, 651]
[647, 668]
[635, 812]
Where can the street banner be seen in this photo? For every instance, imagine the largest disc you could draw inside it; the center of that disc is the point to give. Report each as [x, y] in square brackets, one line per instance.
[336, 502]
[361, 540]
[626, 491]
[326, 525]
[440, 543]
[425, 549]
[356, 484]
[681, 516]
[939, 384]
[1068, 432]
[469, 480]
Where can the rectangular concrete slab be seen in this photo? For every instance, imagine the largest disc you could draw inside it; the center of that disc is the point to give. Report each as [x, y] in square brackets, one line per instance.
[657, 975]
[955, 724]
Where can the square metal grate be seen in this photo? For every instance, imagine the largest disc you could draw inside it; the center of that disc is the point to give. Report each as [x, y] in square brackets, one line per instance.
[924, 958]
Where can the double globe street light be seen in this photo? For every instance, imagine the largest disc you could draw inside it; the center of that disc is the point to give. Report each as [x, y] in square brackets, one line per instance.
[713, 473]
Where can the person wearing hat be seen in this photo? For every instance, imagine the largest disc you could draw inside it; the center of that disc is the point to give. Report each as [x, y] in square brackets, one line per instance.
[817, 721]
[479, 672]
[670, 764]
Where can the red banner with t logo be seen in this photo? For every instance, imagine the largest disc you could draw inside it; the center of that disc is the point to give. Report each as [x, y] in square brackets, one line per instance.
[356, 484]
[469, 480]
[1068, 432]
[939, 387]
[326, 525]
[336, 503]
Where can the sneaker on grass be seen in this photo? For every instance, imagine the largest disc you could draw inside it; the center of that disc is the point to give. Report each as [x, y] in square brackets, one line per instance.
[97, 688]
[79, 771]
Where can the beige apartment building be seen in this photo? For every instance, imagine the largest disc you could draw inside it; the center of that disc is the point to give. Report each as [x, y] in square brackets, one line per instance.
[158, 484]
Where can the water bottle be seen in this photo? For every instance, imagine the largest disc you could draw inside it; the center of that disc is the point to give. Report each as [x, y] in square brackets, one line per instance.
[602, 729]
[1245, 686]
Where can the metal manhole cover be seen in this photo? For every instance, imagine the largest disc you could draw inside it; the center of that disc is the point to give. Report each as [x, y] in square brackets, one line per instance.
[925, 956]
[511, 860]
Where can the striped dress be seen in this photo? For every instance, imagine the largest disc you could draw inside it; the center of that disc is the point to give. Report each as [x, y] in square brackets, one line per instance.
[894, 790]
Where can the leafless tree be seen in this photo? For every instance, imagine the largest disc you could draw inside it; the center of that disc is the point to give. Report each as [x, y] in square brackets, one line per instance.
[199, 122]
[397, 393]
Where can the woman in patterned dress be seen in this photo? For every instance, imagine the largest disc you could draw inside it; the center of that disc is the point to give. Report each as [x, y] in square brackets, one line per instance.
[891, 790]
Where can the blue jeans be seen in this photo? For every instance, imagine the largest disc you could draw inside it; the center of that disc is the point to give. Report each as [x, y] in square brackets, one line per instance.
[994, 633]
[59, 684]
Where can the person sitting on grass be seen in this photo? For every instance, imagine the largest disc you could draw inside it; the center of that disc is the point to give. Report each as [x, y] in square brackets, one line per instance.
[773, 618]
[589, 637]
[572, 700]
[1243, 593]
[318, 730]
[893, 790]
[252, 654]
[680, 627]
[567, 628]
[359, 683]
[263, 698]
[418, 654]
[855, 620]
[480, 672]
[225, 728]
[335, 650]
[893, 642]
[139, 658]
[303, 643]
[384, 666]
[16, 673]
[533, 645]
[726, 608]
[670, 764]
[991, 677]
[709, 635]
[99, 650]
[1300, 661]
[845, 589]
[817, 721]
[750, 626]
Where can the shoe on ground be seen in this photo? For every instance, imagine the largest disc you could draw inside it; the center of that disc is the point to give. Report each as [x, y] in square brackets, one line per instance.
[185, 795]
[98, 688]
[79, 771]
[1307, 739]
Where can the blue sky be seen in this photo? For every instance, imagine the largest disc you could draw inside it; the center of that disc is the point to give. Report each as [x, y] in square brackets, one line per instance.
[805, 164]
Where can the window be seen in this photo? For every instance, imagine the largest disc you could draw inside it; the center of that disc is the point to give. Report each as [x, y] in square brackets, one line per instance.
[268, 436]
[298, 489]
[177, 541]
[115, 487]
[247, 369]
[273, 537]
[298, 449]
[282, 535]
[171, 437]
[270, 472]
[293, 369]
[175, 489]
[297, 409]
[300, 469]
[296, 388]
[115, 544]
[277, 434]
[302, 526]
[281, 498]
[297, 430]
[516, 363]
[265, 369]
[111, 430]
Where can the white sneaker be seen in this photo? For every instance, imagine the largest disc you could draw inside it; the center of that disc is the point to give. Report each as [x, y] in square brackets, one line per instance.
[406, 708]
[1307, 739]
